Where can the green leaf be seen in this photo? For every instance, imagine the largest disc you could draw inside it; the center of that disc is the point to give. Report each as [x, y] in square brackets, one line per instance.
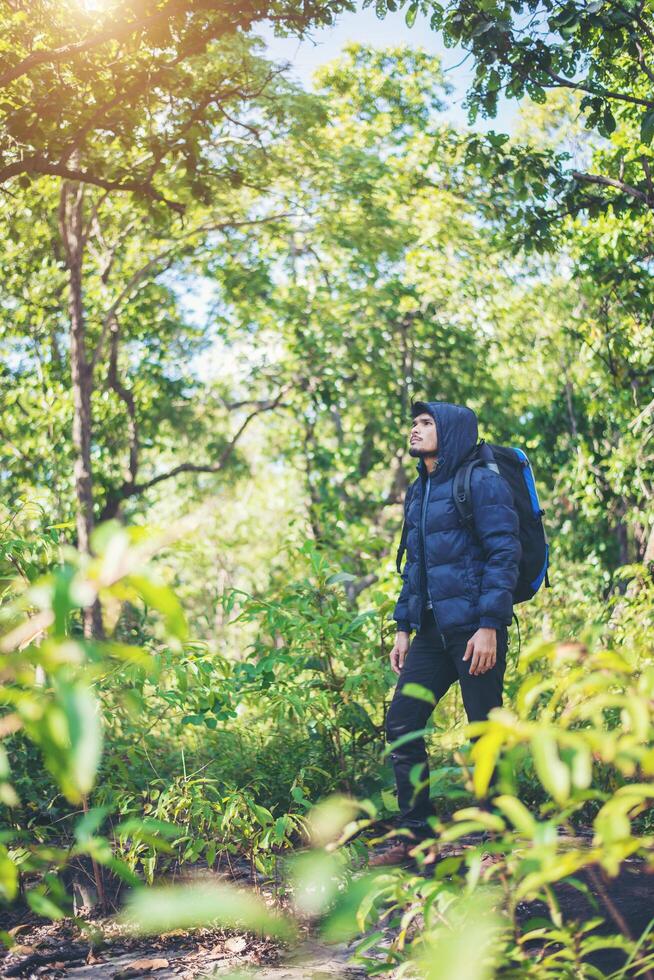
[8, 876]
[410, 16]
[43, 905]
[341, 577]
[77, 764]
[647, 127]
[608, 121]
[485, 752]
[412, 690]
[164, 600]
[517, 813]
[403, 739]
[135, 826]
[264, 816]
[153, 910]
[582, 767]
[281, 826]
[342, 922]
[447, 950]
[5, 770]
[130, 654]
[552, 772]
[315, 879]
[298, 794]
[494, 81]
[87, 825]
[328, 818]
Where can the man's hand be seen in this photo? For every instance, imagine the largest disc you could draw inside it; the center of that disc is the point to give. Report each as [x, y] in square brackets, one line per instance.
[482, 647]
[399, 651]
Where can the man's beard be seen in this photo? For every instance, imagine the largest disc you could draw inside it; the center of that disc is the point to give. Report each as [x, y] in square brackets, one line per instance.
[419, 451]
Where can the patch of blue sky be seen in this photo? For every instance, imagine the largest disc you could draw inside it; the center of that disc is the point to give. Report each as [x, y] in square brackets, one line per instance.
[364, 27]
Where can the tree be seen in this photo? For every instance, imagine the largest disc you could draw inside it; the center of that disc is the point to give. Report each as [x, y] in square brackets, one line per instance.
[113, 254]
[603, 50]
[378, 293]
[584, 387]
[104, 92]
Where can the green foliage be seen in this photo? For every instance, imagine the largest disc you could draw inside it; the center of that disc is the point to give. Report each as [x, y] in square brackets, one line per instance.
[340, 254]
[309, 663]
[218, 821]
[88, 88]
[51, 673]
[525, 49]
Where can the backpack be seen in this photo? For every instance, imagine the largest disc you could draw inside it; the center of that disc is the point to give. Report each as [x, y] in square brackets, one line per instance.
[512, 464]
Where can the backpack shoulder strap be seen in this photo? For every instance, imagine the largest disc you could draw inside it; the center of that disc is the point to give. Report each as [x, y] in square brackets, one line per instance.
[461, 491]
[482, 455]
[402, 547]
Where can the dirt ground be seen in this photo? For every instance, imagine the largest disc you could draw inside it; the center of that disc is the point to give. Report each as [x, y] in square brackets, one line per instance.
[97, 948]
[626, 904]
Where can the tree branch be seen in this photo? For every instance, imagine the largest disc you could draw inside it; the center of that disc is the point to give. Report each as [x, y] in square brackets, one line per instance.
[118, 31]
[37, 165]
[641, 61]
[648, 177]
[122, 97]
[603, 93]
[135, 489]
[611, 182]
[168, 255]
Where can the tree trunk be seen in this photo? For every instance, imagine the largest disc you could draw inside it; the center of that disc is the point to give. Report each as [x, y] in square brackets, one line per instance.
[71, 226]
[622, 531]
[648, 557]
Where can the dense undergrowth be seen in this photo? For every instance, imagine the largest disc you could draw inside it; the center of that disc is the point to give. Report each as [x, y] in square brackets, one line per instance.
[147, 750]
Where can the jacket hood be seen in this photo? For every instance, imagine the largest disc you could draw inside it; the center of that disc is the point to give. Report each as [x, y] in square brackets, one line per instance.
[456, 431]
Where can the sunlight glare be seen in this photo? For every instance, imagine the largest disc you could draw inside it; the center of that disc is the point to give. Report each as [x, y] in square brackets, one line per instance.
[93, 6]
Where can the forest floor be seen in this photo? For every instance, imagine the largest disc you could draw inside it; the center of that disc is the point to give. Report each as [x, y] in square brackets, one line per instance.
[64, 949]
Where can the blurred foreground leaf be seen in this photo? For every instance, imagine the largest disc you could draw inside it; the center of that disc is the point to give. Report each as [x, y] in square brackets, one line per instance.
[464, 947]
[315, 878]
[328, 818]
[155, 910]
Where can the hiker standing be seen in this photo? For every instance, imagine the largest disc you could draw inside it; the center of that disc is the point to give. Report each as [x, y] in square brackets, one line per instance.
[457, 594]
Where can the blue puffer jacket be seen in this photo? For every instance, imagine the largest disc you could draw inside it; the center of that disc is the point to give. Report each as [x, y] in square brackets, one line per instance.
[470, 577]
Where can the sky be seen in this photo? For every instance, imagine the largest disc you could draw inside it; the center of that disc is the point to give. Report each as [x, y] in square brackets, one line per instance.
[364, 26]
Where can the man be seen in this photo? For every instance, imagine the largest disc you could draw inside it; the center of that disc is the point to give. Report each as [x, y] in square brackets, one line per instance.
[456, 593]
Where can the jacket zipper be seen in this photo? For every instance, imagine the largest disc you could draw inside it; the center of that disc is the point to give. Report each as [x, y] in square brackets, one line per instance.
[425, 500]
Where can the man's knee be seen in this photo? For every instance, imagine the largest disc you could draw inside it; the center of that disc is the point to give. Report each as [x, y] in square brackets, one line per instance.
[399, 723]
[394, 726]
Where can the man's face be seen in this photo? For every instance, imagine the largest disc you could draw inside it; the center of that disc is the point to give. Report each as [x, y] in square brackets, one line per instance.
[423, 439]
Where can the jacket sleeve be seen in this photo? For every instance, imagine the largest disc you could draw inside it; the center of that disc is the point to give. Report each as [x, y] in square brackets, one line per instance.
[401, 610]
[497, 527]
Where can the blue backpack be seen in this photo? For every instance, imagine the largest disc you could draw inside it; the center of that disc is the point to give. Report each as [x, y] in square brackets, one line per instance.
[512, 464]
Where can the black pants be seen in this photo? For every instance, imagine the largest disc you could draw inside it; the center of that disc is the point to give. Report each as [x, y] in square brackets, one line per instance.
[435, 667]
